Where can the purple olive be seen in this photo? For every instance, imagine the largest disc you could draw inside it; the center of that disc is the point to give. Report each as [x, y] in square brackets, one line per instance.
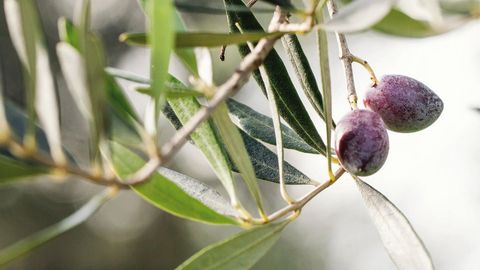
[405, 104]
[361, 142]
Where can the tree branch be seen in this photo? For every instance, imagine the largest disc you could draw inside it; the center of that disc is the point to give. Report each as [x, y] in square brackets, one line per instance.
[345, 57]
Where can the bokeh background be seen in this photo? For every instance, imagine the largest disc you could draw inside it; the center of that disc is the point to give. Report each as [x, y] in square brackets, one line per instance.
[432, 175]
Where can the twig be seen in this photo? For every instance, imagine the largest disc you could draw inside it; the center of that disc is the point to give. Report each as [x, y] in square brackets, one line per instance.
[298, 205]
[19, 150]
[347, 59]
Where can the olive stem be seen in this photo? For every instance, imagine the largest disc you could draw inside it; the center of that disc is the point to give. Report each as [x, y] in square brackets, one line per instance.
[347, 59]
[299, 204]
[367, 66]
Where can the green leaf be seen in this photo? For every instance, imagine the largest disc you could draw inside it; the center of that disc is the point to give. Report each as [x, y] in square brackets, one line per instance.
[186, 55]
[263, 160]
[201, 39]
[236, 148]
[16, 119]
[402, 243]
[119, 101]
[161, 37]
[173, 89]
[327, 90]
[358, 15]
[126, 75]
[74, 71]
[124, 125]
[11, 170]
[260, 126]
[239, 252]
[27, 37]
[162, 192]
[206, 140]
[304, 72]
[464, 7]
[68, 32]
[265, 163]
[289, 103]
[400, 24]
[200, 191]
[82, 65]
[37, 239]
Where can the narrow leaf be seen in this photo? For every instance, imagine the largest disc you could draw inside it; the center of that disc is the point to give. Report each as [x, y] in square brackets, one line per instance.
[304, 72]
[5, 131]
[161, 37]
[36, 62]
[401, 241]
[12, 170]
[35, 240]
[162, 192]
[400, 24]
[186, 55]
[201, 39]
[74, 71]
[238, 252]
[200, 191]
[47, 106]
[289, 103]
[322, 43]
[206, 140]
[236, 148]
[260, 126]
[359, 15]
[20, 17]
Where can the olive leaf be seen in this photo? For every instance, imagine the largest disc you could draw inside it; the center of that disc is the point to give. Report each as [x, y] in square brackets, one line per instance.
[161, 37]
[304, 72]
[37, 239]
[165, 193]
[27, 37]
[402, 243]
[200, 39]
[206, 140]
[235, 147]
[358, 15]
[322, 43]
[400, 24]
[260, 126]
[239, 252]
[289, 103]
[200, 191]
[12, 170]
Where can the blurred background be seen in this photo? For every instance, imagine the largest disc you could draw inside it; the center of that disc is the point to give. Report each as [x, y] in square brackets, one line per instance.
[432, 175]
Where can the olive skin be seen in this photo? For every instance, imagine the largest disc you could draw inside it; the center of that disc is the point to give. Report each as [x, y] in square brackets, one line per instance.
[405, 104]
[361, 142]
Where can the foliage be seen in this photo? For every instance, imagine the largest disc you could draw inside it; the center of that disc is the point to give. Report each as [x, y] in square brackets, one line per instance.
[124, 149]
